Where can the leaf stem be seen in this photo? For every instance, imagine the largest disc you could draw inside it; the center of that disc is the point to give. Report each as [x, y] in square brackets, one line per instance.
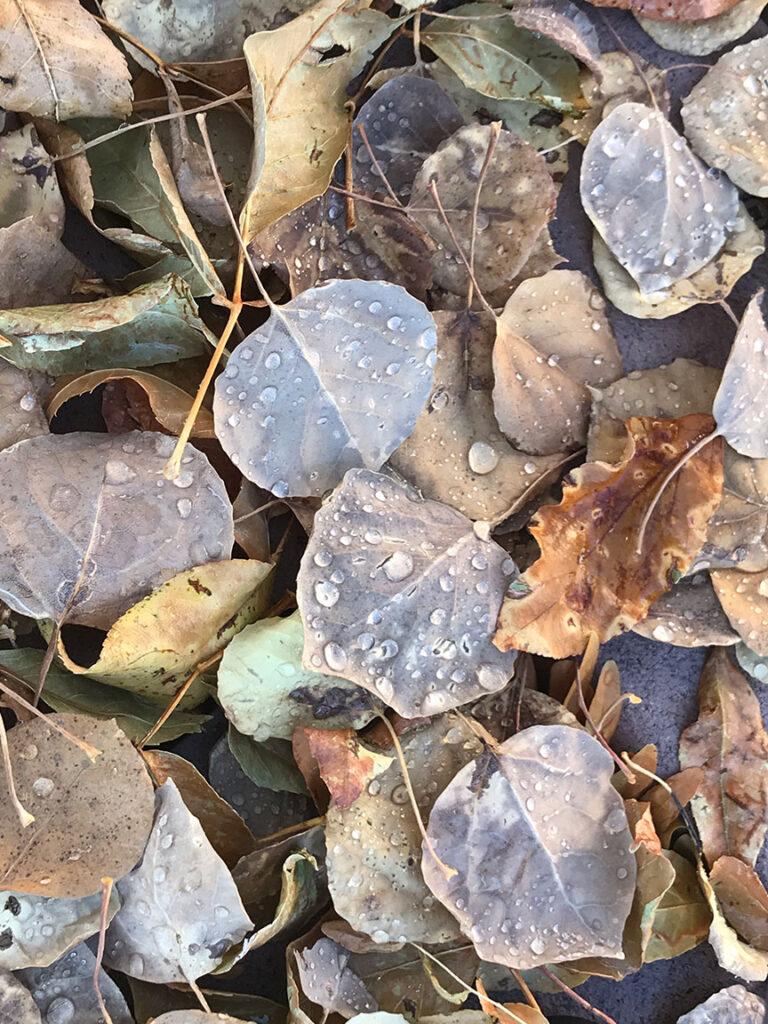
[178, 697]
[377, 165]
[106, 893]
[494, 138]
[575, 996]
[25, 818]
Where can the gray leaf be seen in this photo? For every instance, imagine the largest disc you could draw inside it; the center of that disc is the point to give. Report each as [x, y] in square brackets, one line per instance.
[565, 24]
[126, 528]
[328, 980]
[22, 413]
[401, 596]
[335, 378]
[405, 121]
[538, 841]
[660, 210]
[181, 910]
[64, 991]
[733, 1005]
[16, 1004]
[741, 403]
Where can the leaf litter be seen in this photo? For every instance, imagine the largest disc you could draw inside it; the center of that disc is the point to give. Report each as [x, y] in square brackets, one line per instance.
[271, 491]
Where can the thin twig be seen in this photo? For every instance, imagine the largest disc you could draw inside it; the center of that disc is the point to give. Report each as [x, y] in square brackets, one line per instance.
[25, 818]
[576, 997]
[727, 309]
[349, 174]
[598, 735]
[377, 165]
[495, 130]
[90, 751]
[465, 985]
[261, 508]
[106, 893]
[178, 697]
[200, 997]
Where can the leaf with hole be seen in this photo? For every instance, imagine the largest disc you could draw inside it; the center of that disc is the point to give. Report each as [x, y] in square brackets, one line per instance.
[335, 378]
[400, 595]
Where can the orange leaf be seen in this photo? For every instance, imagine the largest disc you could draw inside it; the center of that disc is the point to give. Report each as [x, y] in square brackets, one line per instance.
[589, 577]
[345, 765]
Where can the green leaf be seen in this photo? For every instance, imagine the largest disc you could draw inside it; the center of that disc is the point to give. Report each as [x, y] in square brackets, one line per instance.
[65, 691]
[156, 323]
[489, 53]
[269, 765]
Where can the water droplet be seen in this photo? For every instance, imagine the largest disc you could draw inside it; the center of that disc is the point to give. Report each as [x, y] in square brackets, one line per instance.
[136, 965]
[185, 479]
[394, 322]
[326, 593]
[184, 507]
[335, 657]
[398, 566]
[159, 875]
[272, 361]
[27, 402]
[614, 145]
[482, 458]
[268, 395]
[323, 558]
[166, 841]
[375, 307]
[117, 472]
[280, 489]
[537, 946]
[60, 1011]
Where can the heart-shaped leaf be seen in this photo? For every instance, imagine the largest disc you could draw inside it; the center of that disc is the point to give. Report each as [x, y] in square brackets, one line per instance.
[335, 378]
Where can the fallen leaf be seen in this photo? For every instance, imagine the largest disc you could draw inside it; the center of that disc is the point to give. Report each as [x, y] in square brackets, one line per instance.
[732, 954]
[553, 343]
[402, 599]
[149, 1000]
[722, 116]
[67, 988]
[36, 930]
[688, 615]
[509, 219]
[743, 599]
[56, 62]
[565, 24]
[153, 647]
[160, 934]
[92, 817]
[730, 743]
[260, 875]
[375, 841]
[704, 35]
[583, 584]
[344, 764]
[169, 403]
[683, 917]
[743, 899]
[266, 693]
[195, 1017]
[501, 60]
[327, 980]
[456, 453]
[738, 531]
[672, 10]
[16, 1003]
[605, 707]
[292, 83]
[739, 403]
[20, 401]
[734, 1003]
[302, 371]
[664, 807]
[753, 664]
[252, 525]
[269, 765]
[581, 868]
[622, 179]
[156, 323]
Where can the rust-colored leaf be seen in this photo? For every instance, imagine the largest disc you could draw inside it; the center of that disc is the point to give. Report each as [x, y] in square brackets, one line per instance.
[345, 766]
[743, 899]
[590, 577]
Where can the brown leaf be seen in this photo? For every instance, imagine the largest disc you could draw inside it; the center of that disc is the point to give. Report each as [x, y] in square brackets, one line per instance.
[743, 899]
[672, 10]
[345, 766]
[730, 742]
[684, 785]
[589, 577]
[738, 531]
[743, 598]
[732, 954]
[689, 615]
[605, 707]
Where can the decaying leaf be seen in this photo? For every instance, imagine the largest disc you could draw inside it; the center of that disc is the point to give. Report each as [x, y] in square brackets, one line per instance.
[712, 283]
[553, 343]
[423, 116]
[159, 641]
[732, 954]
[91, 817]
[501, 60]
[266, 693]
[524, 845]
[730, 742]
[565, 24]
[704, 35]
[724, 116]
[740, 403]
[16, 1004]
[161, 933]
[743, 899]
[745, 602]
[688, 615]
[590, 577]
[672, 10]
[402, 599]
[291, 81]
[517, 199]
[733, 1003]
[687, 213]
[20, 405]
[36, 930]
[65, 990]
[328, 980]
[375, 842]
[335, 378]
[344, 764]
[55, 61]
[126, 528]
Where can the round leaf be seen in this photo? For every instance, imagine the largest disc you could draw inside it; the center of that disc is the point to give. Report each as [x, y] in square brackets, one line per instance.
[734, 1003]
[336, 378]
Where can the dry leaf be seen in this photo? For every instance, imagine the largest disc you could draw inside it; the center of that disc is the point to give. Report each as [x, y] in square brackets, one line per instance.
[731, 744]
[344, 764]
[565, 24]
[92, 817]
[738, 531]
[732, 954]
[589, 577]
[743, 899]
[704, 35]
[743, 599]
[672, 10]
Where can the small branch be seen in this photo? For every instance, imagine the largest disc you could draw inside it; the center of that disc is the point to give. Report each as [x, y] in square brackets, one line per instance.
[106, 893]
[349, 174]
[495, 130]
[576, 997]
[377, 165]
[178, 697]
[25, 818]
[91, 752]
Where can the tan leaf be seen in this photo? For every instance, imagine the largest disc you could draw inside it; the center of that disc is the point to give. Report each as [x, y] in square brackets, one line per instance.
[590, 578]
[738, 531]
[730, 742]
[688, 615]
[685, 784]
[732, 954]
[704, 35]
[553, 342]
[647, 757]
[676, 10]
[744, 601]
[346, 767]
[605, 707]
[743, 899]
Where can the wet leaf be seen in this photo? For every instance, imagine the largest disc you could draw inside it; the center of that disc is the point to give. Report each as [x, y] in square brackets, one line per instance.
[732, 954]
[676, 10]
[622, 179]
[580, 861]
[36, 930]
[20, 402]
[92, 817]
[56, 62]
[327, 980]
[161, 933]
[269, 765]
[303, 370]
[424, 116]
[374, 843]
[753, 664]
[292, 83]
[510, 216]
[169, 403]
[153, 647]
[734, 1003]
[16, 1003]
[583, 583]
[456, 453]
[156, 323]
[345, 766]
[150, 1000]
[704, 35]
[261, 876]
[565, 24]
[402, 599]
[743, 899]
[501, 60]
[266, 693]
[65, 990]
[730, 742]
[743, 599]
[80, 487]
[688, 615]
[553, 343]
[314, 244]
[723, 116]
[739, 403]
